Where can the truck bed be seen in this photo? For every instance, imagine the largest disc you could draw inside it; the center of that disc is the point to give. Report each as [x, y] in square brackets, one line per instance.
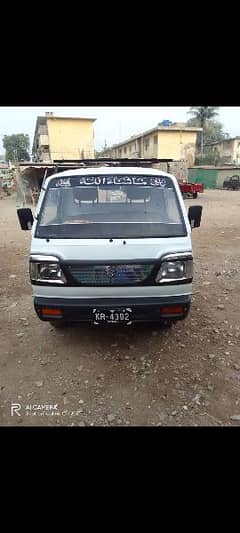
[191, 189]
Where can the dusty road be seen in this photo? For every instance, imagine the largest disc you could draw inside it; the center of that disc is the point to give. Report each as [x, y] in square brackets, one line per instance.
[189, 375]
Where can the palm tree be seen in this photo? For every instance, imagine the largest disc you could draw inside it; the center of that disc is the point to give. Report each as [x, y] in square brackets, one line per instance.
[202, 115]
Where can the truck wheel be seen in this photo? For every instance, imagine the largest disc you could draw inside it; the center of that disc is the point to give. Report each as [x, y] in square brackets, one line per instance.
[195, 195]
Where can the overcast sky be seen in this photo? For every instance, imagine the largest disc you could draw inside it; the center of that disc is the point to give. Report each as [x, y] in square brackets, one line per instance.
[113, 124]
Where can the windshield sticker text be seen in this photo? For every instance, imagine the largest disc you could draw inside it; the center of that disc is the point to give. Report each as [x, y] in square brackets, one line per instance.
[158, 181]
[152, 181]
[63, 182]
[112, 180]
[122, 180]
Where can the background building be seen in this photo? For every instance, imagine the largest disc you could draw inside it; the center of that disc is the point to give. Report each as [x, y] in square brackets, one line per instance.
[228, 150]
[63, 138]
[6, 179]
[174, 141]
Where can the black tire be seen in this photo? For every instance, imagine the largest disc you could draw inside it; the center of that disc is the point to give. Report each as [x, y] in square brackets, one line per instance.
[195, 195]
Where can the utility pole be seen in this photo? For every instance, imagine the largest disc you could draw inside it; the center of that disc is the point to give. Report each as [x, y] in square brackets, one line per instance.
[202, 144]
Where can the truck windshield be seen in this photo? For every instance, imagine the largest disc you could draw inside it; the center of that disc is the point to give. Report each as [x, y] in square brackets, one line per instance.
[110, 207]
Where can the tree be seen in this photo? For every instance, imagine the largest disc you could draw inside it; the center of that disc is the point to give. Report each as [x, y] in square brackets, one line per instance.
[209, 158]
[203, 115]
[104, 152]
[212, 129]
[16, 147]
[214, 132]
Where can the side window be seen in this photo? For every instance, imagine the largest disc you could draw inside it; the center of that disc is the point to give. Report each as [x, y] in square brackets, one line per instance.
[171, 206]
[49, 213]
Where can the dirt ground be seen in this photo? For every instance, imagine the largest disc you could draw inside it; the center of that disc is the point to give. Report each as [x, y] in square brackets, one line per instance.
[141, 376]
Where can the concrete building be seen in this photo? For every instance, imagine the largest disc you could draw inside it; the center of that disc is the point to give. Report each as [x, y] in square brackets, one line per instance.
[63, 138]
[6, 177]
[176, 141]
[228, 150]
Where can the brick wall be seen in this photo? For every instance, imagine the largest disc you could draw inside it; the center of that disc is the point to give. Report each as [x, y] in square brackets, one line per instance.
[179, 169]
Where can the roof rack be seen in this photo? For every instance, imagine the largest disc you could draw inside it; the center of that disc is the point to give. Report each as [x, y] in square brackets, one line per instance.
[106, 161]
[121, 161]
[59, 165]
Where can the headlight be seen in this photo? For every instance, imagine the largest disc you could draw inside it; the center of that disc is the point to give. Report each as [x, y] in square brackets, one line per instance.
[175, 269]
[46, 269]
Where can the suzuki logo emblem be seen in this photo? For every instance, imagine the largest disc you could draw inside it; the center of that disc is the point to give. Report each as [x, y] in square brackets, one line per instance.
[110, 271]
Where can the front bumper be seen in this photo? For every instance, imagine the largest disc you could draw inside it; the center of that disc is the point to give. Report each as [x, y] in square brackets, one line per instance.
[144, 309]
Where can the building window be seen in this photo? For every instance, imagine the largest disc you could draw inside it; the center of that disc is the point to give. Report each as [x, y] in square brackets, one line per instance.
[125, 150]
[130, 149]
[155, 139]
[120, 152]
[146, 144]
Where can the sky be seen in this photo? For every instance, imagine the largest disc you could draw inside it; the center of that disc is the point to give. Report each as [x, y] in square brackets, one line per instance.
[113, 124]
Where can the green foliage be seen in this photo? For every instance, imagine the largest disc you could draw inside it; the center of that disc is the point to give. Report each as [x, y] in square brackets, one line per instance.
[16, 147]
[202, 114]
[214, 132]
[98, 154]
[204, 117]
[210, 158]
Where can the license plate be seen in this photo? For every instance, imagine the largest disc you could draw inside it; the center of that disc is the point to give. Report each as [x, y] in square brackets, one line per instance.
[113, 316]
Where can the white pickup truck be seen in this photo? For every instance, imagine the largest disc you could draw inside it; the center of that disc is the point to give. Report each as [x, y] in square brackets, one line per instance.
[111, 246]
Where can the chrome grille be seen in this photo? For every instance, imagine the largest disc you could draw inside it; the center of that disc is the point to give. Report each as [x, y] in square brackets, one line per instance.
[99, 275]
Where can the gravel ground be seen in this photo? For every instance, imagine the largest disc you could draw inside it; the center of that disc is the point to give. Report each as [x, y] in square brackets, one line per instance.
[83, 376]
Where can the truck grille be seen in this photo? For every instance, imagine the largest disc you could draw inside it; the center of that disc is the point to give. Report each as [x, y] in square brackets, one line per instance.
[104, 275]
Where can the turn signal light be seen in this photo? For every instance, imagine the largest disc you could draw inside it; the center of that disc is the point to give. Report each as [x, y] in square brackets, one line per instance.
[52, 312]
[173, 310]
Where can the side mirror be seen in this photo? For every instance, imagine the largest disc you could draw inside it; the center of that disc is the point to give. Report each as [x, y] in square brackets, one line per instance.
[25, 218]
[195, 215]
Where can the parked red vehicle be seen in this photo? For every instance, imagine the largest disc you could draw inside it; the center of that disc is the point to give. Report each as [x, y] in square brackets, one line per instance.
[191, 190]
